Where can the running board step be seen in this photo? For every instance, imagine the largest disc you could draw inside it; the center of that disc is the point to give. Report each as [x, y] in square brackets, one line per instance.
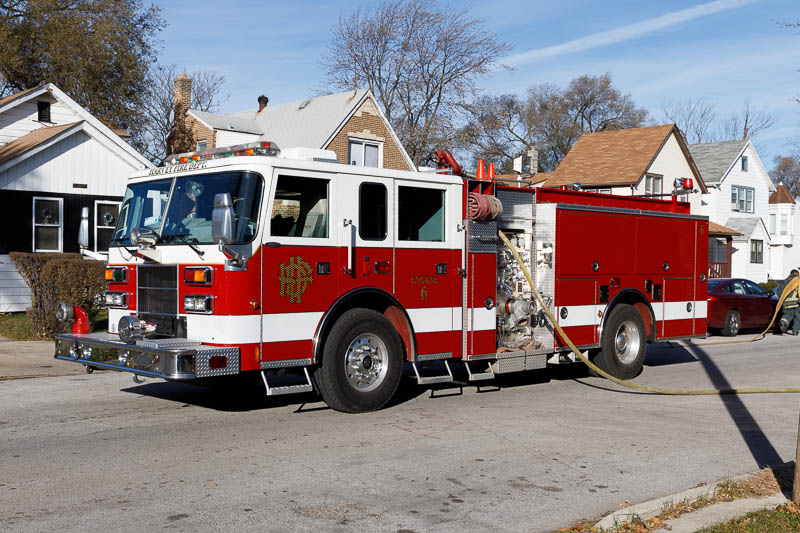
[479, 376]
[288, 389]
[428, 380]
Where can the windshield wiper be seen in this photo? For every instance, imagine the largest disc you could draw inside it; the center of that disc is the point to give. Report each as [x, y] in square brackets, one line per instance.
[181, 237]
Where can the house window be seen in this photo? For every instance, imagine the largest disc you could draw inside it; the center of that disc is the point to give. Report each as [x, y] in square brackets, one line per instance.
[420, 214]
[364, 153]
[772, 224]
[47, 224]
[742, 199]
[784, 224]
[744, 163]
[372, 210]
[756, 251]
[43, 111]
[653, 185]
[201, 145]
[106, 214]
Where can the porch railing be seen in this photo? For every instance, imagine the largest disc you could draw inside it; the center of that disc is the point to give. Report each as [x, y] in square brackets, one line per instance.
[719, 270]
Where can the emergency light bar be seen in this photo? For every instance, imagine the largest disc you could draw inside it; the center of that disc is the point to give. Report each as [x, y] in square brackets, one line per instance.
[683, 183]
[256, 148]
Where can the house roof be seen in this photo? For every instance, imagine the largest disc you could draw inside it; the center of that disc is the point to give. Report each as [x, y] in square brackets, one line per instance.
[617, 157]
[30, 141]
[20, 94]
[120, 146]
[745, 226]
[781, 196]
[715, 229]
[714, 159]
[309, 122]
[227, 122]
[312, 122]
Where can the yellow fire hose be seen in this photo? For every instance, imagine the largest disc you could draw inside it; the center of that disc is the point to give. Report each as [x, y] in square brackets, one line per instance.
[707, 392]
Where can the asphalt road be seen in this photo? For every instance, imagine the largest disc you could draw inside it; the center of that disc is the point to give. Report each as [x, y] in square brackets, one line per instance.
[98, 452]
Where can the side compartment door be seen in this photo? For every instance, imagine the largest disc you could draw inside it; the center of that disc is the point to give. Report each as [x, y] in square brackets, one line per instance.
[366, 238]
[427, 262]
[299, 261]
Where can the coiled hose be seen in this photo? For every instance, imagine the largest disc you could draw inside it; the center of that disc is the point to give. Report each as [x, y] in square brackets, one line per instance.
[701, 392]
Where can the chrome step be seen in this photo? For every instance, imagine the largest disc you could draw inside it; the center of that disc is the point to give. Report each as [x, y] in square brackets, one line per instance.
[288, 389]
[428, 380]
[479, 376]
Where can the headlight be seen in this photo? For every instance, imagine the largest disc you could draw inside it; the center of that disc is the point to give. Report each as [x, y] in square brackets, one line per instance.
[197, 303]
[116, 299]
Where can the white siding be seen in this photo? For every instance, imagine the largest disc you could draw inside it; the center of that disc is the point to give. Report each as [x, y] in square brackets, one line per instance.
[718, 207]
[77, 159]
[671, 163]
[741, 267]
[229, 138]
[21, 119]
[785, 249]
[14, 292]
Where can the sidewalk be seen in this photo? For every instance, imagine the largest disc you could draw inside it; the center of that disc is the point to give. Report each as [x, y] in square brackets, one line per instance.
[32, 359]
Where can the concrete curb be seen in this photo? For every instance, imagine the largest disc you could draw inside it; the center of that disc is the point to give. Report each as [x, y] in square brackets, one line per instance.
[653, 508]
[722, 512]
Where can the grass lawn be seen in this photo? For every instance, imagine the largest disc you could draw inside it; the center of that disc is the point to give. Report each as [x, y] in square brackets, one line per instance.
[16, 326]
[784, 518]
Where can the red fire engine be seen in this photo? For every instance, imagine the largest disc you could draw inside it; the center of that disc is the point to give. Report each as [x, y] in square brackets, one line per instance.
[249, 259]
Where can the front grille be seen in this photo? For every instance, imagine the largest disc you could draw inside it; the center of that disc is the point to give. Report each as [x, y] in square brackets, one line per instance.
[158, 289]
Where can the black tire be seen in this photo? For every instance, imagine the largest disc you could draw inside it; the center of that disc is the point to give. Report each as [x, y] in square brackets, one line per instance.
[360, 337]
[732, 323]
[624, 343]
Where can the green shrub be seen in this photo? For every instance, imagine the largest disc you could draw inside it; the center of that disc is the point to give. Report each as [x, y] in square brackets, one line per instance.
[59, 278]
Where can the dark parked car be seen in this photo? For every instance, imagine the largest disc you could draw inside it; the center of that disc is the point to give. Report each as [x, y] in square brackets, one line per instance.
[735, 304]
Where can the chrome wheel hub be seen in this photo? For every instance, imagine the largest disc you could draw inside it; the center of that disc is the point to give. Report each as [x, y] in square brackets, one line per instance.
[365, 362]
[627, 342]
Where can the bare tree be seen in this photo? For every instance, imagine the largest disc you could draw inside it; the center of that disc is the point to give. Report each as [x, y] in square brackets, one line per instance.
[694, 118]
[550, 119]
[787, 171]
[420, 61]
[158, 105]
[747, 124]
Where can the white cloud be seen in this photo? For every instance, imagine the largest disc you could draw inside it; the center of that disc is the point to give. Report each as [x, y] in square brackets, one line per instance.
[625, 33]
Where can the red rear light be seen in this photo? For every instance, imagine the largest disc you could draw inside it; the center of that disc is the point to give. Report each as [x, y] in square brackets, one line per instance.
[712, 298]
[218, 361]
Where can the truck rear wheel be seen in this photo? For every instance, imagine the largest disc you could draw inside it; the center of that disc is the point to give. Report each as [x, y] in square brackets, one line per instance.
[361, 363]
[623, 344]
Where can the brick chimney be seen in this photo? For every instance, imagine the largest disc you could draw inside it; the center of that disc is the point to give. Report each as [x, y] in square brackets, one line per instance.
[180, 138]
[183, 99]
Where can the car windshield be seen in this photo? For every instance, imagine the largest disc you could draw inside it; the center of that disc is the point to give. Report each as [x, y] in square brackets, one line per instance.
[186, 215]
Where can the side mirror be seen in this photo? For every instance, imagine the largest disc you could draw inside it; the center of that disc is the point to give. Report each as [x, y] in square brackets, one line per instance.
[83, 229]
[222, 219]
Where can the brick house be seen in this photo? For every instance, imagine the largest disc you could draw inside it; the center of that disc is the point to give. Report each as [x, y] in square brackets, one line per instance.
[350, 124]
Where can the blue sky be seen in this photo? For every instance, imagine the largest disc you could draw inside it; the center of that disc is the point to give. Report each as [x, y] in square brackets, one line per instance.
[724, 51]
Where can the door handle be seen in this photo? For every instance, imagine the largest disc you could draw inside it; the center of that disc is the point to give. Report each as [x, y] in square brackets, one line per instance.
[351, 246]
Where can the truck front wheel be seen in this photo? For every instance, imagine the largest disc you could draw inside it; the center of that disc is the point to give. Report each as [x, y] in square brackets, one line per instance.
[361, 363]
[623, 344]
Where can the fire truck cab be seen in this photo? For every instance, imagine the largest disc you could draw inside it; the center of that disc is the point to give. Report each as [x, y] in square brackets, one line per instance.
[249, 259]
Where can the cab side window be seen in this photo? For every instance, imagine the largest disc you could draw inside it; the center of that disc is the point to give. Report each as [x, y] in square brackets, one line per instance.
[372, 210]
[420, 214]
[300, 208]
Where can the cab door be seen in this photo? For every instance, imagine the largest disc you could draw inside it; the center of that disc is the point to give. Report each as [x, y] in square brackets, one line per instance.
[428, 250]
[299, 261]
[365, 233]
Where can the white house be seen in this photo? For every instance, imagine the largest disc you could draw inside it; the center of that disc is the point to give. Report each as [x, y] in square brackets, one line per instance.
[55, 158]
[784, 232]
[631, 162]
[739, 189]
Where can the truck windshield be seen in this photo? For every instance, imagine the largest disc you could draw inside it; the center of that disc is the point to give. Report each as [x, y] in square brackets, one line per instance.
[186, 215]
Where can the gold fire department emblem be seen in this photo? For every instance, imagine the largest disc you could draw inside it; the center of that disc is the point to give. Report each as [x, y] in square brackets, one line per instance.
[295, 277]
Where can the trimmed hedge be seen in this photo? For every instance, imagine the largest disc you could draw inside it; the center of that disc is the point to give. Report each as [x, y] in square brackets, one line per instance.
[55, 278]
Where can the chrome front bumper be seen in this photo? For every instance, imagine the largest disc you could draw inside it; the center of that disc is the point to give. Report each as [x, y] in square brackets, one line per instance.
[172, 359]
